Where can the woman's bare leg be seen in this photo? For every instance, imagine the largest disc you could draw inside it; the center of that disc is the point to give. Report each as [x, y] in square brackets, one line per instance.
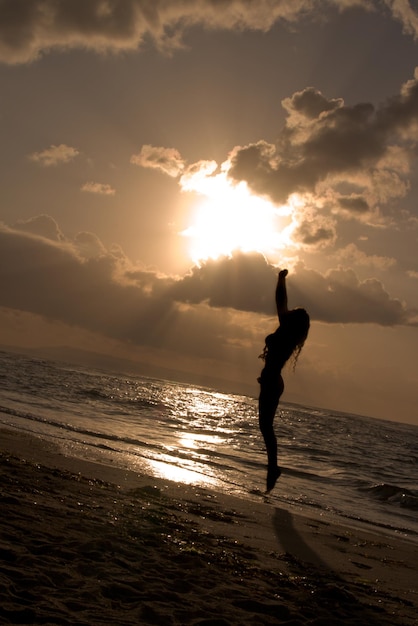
[267, 406]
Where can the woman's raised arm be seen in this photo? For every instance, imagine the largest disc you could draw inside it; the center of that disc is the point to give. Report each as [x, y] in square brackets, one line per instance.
[281, 294]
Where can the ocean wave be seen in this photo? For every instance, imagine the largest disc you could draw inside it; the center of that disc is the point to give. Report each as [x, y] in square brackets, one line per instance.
[394, 494]
[113, 398]
[329, 460]
[71, 428]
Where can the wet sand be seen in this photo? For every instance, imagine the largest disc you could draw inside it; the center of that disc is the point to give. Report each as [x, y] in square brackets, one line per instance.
[84, 543]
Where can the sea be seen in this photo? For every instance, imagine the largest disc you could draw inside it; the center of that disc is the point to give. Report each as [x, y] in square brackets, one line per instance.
[357, 469]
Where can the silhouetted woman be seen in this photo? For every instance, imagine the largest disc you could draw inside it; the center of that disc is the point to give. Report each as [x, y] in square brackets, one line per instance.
[286, 341]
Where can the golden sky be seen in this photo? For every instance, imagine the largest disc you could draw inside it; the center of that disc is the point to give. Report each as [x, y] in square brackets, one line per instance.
[160, 161]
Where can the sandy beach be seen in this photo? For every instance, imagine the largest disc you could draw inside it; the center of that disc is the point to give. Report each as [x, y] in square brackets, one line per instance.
[83, 543]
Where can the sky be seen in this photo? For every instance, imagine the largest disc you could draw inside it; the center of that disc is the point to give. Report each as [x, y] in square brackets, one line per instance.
[161, 161]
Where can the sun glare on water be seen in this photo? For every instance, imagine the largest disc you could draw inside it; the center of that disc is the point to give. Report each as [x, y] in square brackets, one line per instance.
[229, 218]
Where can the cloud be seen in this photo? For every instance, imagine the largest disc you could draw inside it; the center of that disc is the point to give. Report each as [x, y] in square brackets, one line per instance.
[88, 245]
[354, 203]
[54, 155]
[76, 284]
[325, 143]
[81, 283]
[308, 104]
[340, 297]
[98, 188]
[244, 282]
[195, 174]
[315, 232]
[331, 163]
[352, 254]
[247, 283]
[42, 225]
[30, 28]
[167, 160]
[406, 14]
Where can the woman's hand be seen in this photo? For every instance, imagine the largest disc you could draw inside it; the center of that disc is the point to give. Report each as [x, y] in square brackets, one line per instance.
[283, 273]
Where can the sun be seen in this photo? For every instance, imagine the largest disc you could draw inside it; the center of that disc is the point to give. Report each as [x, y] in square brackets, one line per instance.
[228, 217]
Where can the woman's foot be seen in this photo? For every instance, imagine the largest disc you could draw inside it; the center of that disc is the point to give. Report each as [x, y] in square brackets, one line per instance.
[273, 474]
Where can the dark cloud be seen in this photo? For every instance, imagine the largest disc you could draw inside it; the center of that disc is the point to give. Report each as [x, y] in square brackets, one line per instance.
[323, 139]
[402, 110]
[247, 282]
[310, 103]
[340, 297]
[310, 233]
[244, 282]
[29, 28]
[337, 142]
[55, 281]
[103, 293]
[354, 204]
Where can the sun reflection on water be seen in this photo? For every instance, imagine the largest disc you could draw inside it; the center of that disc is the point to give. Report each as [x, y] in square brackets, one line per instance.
[200, 402]
[193, 440]
[180, 474]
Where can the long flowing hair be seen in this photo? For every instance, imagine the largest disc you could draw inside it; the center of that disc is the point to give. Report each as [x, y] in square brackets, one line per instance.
[296, 324]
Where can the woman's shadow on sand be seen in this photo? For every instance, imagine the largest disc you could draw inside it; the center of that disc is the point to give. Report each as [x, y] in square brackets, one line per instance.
[292, 541]
[339, 598]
